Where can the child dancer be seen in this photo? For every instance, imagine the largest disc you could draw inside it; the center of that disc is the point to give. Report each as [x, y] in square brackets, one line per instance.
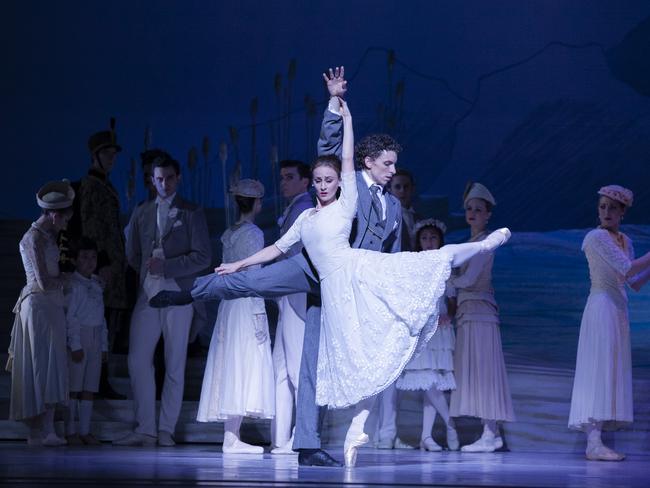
[87, 341]
[433, 370]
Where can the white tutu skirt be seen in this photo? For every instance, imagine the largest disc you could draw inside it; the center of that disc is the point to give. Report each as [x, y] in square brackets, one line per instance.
[434, 366]
[238, 379]
[602, 388]
[377, 310]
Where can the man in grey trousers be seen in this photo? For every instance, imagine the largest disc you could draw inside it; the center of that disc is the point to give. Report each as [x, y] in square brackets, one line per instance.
[377, 227]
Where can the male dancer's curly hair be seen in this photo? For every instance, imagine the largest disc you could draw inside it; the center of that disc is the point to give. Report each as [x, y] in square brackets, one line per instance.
[372, 146]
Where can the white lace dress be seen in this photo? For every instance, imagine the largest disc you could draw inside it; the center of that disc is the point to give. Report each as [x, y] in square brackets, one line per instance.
[375, 306]
[602, 388]
[238, 379]
[38, 356]
[434, 366]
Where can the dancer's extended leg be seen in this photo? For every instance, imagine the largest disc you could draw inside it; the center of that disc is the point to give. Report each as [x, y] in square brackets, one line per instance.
[463, 252]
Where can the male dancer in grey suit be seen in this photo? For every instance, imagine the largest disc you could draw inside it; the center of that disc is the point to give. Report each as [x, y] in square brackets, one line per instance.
[377, 227]
[169, 245]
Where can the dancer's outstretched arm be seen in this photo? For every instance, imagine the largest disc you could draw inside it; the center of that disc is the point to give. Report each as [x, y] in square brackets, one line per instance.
[347, 156]
[266, 255]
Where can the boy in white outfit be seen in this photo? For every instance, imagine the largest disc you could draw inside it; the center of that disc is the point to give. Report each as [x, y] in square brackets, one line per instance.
[87, 341]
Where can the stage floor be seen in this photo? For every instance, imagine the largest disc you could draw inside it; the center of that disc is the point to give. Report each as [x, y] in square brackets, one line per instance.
[205, 465]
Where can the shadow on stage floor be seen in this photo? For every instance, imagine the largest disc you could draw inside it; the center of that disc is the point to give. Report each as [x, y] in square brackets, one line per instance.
[200, 465]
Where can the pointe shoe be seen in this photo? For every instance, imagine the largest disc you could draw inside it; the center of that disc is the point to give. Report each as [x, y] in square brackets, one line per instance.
[429, 444]
[239, 447]
[452, 439]
[350, 448]
[169, 298]
[495, 239]
[603, 453]
[481, 445]
[53, 440]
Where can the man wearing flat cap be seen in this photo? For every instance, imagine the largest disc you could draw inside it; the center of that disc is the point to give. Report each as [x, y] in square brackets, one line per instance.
[169, 246]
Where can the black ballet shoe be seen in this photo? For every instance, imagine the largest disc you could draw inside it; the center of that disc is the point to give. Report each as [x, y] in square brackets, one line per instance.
[168, 298]
[317, 457]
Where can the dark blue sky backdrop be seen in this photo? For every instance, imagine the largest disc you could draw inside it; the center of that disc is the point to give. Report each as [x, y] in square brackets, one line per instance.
[190, 68]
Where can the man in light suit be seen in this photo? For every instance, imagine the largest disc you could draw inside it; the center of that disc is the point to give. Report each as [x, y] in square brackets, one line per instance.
[377, 226]
[169, 246]
[295, 177]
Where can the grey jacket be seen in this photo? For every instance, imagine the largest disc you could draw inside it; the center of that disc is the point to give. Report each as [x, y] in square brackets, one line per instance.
[364, 233]
[186, 242]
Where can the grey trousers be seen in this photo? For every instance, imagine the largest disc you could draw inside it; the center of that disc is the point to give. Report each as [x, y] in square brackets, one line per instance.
[279, 279]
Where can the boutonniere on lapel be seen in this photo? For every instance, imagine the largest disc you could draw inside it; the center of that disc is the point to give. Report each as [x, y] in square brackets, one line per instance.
[172, 216]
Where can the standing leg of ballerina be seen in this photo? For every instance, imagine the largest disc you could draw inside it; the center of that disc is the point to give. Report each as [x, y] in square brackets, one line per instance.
[355, 436]
[437, 402]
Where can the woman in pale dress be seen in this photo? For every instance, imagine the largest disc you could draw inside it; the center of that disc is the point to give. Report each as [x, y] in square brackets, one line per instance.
[432, 372]
[238, 380]
[37, 354]
[376, 307]
[602, 388]
[481, 381]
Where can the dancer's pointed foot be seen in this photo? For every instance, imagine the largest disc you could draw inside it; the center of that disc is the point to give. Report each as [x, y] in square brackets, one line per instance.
[350, 448]
[495, 239]
[169, 298]
[452, 439]
[316, 457]
[239, 447]
[429, 444]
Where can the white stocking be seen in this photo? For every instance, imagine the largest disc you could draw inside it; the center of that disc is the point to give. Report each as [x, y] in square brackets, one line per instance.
[231, 430]
[48, 420]
[437, 399]
[428, 417]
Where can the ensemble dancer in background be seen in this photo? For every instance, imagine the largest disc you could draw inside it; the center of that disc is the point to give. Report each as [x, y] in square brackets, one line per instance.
[481, 380]
[37, 353]
[432, 371]
[376, 307]
[87, 340]
[602, 388]
[169, 245]
[238, 380]
[295, 178]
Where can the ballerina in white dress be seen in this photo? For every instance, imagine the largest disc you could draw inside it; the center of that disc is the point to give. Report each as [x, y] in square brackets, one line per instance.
[238, 380]
[602, 388]
[37, 353]
[376, 307]
[432, 371]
